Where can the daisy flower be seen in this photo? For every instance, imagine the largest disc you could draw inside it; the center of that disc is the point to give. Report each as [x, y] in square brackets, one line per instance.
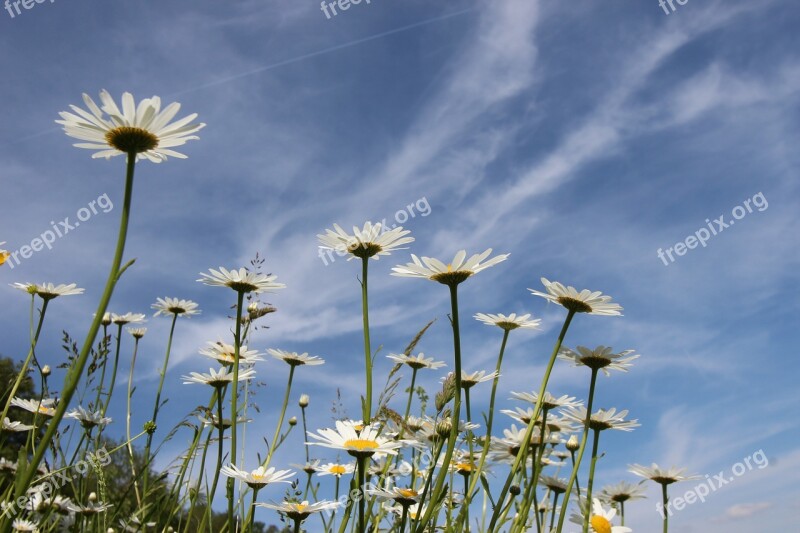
[240, 280]
[399, 495]
[416, 361]
[137, 333]
[601, 358]
[88, 419]
[226, 422]
[226, 353]
[91, 508]
[451, 274]
[144, 129]
[24, 525]
[549, 401]
[509, 322]
[594, 303]
[48, 291]
[663, 476]
[296, 359]
[600, 519]
[622, 492]
[555, 484]
[8, 425]
[258, 478]
[218, 378]
[362, 443]
[127, 318]
[4, 254]
[299, 511]
[470, 379]
[373, 240]
[310, 467]
[602, 419]
[174, 306]
[46, 407]
[335, 469]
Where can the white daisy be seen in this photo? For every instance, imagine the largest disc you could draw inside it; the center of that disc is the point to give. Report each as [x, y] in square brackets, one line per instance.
[174, 306]
[226, 353]
[555, 484]
[623, 491]
[470, 379]
[91, 508]
[48, 291]
[372, 241]
[240, 280]
[407, 496]
[600, 519]
[585, 301]
[24, 525]
[127, 318]
[88, 419]
[359, 443]
[226, 422]
[137, 333]
[549, 401]
[296, 359]
[299, 511]
[416, 361]
[46, 407]
[335, 469]
[508, 322]
[599, 358]
[218, 378]
[452, 274]
[258, 478]
[144, 130]
[4, 254]
[8, 425]
[663, 476]
[602, 419]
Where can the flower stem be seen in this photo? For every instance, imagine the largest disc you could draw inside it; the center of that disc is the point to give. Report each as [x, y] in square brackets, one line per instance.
[131, 457]
[72, 379]
[665, 499]
[367, 348]
[590, 483]
[280, 419]
[234, 403]
[563, 513]
[526, 440]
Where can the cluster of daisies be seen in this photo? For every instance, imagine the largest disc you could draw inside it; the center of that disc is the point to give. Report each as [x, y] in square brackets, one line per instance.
[404, 473]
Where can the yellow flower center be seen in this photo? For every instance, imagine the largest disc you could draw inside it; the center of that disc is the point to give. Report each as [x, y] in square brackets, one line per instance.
[4, 256]
[258, 477]
[44, 410]
[131, 140]
[337, 470]
[464, 467]
[407, 493]
[361, 444]
[299, 507]
[600, 524]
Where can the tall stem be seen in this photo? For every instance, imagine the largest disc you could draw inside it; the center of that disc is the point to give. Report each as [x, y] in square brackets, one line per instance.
[235, 403]
[563, 513]
[113, 370]
[590, 483]
[367, 348]
[73, 376]
[665, 499]
[280, 419]
[131, 457]
[455, 417]
[526, 440]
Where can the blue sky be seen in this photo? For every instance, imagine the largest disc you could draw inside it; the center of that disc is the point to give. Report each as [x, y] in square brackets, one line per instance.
[579, 136]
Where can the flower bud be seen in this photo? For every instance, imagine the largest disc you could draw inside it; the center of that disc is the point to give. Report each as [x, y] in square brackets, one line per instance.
[514, 490]
[46, 370]
[573, 444]
[303, 401]
[92, 497]
[293, 421]
[106, 321]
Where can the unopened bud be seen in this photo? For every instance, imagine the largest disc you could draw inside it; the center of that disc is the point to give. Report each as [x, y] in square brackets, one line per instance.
[106, 321]
[293, 421]
[514, 490]
[150, 427]
[92, 496]
[303, 401]
[573, 444]
[46, 370]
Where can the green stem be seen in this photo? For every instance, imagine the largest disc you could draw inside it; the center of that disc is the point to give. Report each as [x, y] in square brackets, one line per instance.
[252, 514]
[128, 425]
[455, 417]
[367, 348]
[526, 441]
[220, 437]
[274, 444]
[73, 376]
[622, 513]
[113, 371]
[362, 465]
[563, 513]
[234, 403]
[590, 483]
[665, 499]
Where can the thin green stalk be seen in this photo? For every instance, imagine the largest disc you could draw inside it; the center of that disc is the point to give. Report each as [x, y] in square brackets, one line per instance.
[362, 466]
[456, 415]
[220, 437]
[156, 407]
[563, 514]
[252, 515]
[72, 379]
[622, 513]
[665, 499]
[590, 483]
[113, 370]
[542, 388]
[274, 444]
[367, 348]
[234, 403]
[128, 425]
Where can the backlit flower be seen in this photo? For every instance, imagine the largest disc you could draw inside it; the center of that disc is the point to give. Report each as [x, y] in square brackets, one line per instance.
[359, 443]
[508, 322]
[451, 274]
[241, 280]
[585, 301]
[174, 306]
[373, 240]
[601, 358]
[416, 361]
[48, 291]
[296, 359]
[258, 478]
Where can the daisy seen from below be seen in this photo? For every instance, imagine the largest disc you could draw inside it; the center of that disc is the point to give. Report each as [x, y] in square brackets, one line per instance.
[218, 378]
[4, 254]
[46, 407]
[48, 291]
[470, 379]
[549, 401]
[622, 492]
[585, 301]
[359, 443]
[296, 359]
[602, 419]
[451, 274]
[15, 426]
[509, 322]
[335, 469]
[127, 318]
[174, 306]
[241, 280]
[664, 477]
[601, 358]
[299, 511]
[144, 129]
[137, 333]
[24, 525]
[88, 419]
[372, 241]
[416, 361]
[600, 519]
[258, 478]
[226, 353]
